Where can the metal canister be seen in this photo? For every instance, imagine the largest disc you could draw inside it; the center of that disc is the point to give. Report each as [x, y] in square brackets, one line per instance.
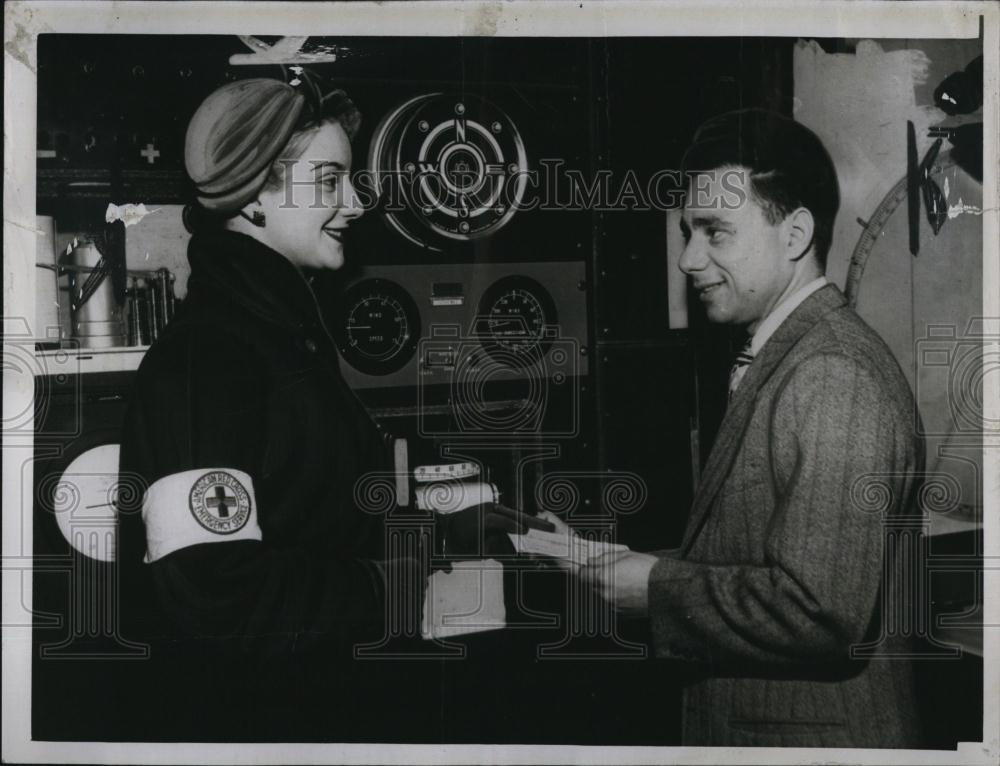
[141, 306]
[151, 312]
[95, 315]
[172, 297]
[163, 291]
[132, 313]
[47, 328]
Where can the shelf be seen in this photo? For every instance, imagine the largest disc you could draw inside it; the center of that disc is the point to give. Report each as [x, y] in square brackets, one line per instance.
[68, 361]
[161, 186]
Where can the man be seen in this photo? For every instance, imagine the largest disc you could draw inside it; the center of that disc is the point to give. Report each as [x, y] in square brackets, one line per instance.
[780, 572]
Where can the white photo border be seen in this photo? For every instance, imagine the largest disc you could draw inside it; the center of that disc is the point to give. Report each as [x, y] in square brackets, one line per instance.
[24, 21]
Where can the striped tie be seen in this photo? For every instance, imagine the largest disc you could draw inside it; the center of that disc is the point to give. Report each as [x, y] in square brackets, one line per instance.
[743, 360]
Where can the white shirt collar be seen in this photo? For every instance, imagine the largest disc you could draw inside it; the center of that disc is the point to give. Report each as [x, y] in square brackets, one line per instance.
[781, 312]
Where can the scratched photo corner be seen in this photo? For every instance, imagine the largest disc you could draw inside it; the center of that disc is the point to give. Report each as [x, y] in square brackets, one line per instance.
[564, 390]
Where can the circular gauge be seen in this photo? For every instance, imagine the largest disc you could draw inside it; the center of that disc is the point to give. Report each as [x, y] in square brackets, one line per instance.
[379, 327]
[516, 319]
[83, 499]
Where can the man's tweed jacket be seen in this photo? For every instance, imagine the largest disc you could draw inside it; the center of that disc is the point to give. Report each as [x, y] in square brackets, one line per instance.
[781, 570]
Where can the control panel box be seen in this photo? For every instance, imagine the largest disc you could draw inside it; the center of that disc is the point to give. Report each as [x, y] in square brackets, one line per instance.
[463, 324]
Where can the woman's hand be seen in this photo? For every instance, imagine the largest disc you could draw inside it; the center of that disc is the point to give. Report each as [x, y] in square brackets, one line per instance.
[480, 531]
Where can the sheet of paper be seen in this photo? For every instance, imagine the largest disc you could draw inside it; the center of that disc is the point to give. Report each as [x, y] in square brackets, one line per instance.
[558, 545]
[469, 599]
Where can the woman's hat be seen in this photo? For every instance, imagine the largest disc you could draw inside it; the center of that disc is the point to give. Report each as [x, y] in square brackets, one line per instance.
[235, 136]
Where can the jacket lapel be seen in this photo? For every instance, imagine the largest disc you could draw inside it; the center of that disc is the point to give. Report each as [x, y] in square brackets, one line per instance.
[741, 407]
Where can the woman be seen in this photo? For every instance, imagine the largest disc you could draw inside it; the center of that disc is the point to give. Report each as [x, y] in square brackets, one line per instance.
[246, 440]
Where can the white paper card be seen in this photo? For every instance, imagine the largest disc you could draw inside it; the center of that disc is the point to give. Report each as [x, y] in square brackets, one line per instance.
[468, 599]
[559, 545]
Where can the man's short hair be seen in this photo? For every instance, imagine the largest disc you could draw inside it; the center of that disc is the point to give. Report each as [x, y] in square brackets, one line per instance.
[789, 166]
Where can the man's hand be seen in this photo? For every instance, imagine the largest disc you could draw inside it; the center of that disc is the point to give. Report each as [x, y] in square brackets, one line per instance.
[622, 579]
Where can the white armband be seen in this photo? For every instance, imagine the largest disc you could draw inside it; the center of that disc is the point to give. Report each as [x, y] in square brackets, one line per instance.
[206, 505]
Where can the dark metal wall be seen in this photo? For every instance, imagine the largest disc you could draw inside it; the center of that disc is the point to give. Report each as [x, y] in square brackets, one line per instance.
[658, 388]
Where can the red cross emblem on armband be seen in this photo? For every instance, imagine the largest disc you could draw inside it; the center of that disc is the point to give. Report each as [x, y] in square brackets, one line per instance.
[220, 503]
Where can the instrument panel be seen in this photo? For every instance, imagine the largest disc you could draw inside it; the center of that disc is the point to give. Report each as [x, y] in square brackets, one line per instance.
[424, 324]
[514, 317]
[463, 291]
[378, 328]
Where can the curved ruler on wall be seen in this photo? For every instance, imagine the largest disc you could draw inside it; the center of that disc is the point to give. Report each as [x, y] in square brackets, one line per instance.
[898, 196]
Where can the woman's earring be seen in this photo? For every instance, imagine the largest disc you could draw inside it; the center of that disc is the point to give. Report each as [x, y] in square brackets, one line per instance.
[257, 218]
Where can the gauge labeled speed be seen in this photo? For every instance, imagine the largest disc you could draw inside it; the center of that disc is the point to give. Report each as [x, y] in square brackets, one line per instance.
[516, 318]
[379, 327]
